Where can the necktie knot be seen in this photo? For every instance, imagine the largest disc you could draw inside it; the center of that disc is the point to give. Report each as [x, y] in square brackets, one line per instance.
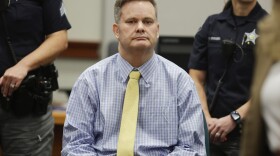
[134, 75]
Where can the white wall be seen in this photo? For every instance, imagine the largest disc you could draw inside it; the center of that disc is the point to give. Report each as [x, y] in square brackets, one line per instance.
[85, 18]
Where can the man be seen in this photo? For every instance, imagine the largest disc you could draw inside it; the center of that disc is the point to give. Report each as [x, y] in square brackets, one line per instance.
[169, 119]
[221, 65]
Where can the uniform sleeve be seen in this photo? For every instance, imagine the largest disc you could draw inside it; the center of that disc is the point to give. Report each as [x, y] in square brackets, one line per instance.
[198, 59]
[54, 16]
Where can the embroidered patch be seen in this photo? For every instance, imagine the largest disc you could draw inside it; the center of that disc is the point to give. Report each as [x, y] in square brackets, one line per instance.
[62, 10]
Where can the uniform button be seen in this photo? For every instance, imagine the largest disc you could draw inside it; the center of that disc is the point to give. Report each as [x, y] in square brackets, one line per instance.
[234, 28]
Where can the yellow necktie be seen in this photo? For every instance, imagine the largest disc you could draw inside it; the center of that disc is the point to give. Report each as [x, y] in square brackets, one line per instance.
[129, 116]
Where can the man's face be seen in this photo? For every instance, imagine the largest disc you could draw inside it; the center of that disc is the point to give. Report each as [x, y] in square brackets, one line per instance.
[138, 27]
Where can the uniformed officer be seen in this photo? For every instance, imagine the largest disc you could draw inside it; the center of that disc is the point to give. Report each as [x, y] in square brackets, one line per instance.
[32, 34]
[221, 65]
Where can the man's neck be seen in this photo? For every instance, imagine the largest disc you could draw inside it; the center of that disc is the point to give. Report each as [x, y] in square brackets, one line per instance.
[243, 9]
[136, 58]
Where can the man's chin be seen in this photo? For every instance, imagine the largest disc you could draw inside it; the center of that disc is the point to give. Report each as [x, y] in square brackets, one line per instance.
[143, 47]
[141, 44]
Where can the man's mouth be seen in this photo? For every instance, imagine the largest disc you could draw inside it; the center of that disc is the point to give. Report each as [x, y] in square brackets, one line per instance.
[140, 38]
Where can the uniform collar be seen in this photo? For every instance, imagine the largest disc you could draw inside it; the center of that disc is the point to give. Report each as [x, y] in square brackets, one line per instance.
[252, 17]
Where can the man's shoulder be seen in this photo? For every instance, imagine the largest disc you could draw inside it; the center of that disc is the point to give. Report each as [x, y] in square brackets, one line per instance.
[101, 65]
[169, 66]
[174, 72]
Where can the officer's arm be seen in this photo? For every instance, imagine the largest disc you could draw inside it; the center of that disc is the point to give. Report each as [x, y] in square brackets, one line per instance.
[244, 109]
[199, 77]
[54, 44]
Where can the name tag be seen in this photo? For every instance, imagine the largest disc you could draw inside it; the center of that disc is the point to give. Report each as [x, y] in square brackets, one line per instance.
[214, 38]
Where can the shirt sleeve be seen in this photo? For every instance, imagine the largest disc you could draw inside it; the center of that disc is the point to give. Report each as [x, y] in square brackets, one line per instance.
[54, 16]
[78, 135]
[191, 137]
[198, 58]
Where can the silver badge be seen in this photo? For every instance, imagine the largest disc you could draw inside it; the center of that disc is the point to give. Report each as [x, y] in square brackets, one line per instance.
[250, 37]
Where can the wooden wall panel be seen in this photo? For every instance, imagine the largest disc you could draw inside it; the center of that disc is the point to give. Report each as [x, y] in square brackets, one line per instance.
[86, 50]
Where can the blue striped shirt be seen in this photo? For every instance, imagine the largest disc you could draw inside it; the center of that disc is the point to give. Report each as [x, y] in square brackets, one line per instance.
[170, 118]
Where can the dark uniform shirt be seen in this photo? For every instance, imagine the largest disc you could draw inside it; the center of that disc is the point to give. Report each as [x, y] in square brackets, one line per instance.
[28, 23]
[208, 55]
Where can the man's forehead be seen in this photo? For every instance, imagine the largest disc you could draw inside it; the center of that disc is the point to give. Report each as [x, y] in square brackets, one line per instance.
[136, 11]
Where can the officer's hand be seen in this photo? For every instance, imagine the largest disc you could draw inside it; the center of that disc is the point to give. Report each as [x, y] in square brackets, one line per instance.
[224, 126]
[12, 79]
[211, 123]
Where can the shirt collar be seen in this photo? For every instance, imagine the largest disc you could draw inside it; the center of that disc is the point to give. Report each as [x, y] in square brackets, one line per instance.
[146, 70]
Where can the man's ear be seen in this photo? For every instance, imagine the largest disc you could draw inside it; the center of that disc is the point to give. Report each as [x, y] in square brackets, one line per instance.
[116, 30]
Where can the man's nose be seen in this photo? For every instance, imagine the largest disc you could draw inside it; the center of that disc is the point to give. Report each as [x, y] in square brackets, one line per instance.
[140, 27]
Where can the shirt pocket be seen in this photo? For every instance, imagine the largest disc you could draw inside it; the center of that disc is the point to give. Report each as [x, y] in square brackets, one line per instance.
[214, 48]
[216, 58]
[160, 115]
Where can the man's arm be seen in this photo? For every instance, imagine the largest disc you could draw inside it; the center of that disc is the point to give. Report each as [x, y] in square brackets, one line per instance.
[78, 132]
[191, 134]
